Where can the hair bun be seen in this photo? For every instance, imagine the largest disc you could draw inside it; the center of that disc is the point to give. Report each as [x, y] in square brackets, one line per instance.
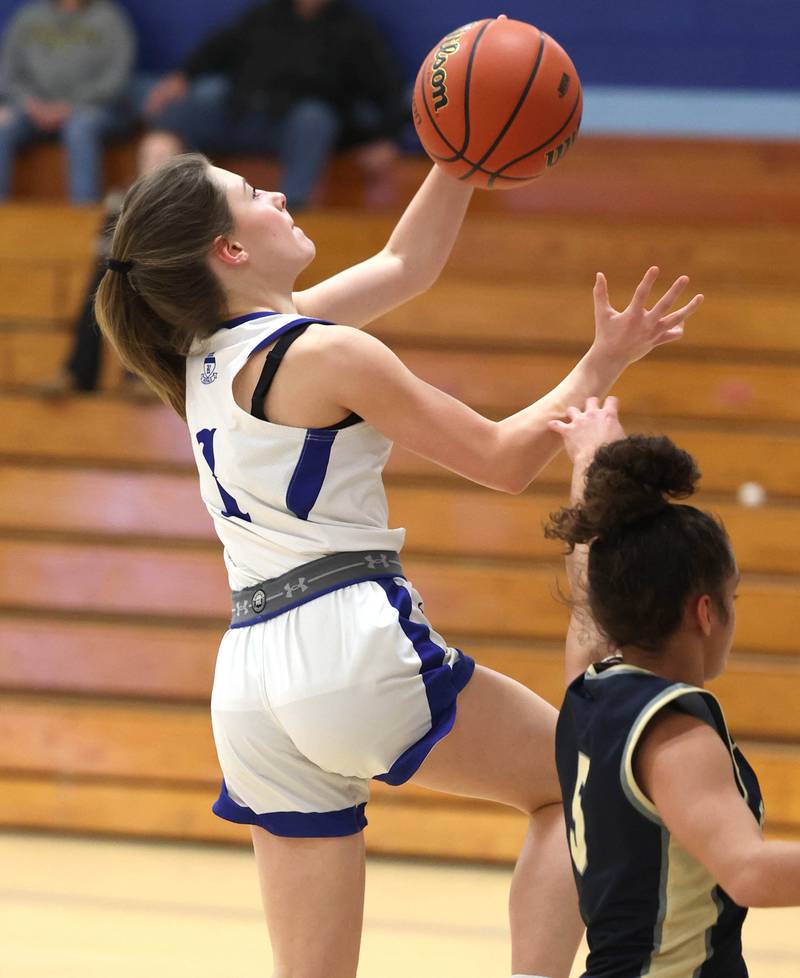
[632, 479]
[628, 480]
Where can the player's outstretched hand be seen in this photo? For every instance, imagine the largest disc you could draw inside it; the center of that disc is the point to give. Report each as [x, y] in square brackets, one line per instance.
[627, 336]
[587, 430]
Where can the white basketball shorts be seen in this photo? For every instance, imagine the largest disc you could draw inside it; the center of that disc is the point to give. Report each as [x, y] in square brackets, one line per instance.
[307, 707]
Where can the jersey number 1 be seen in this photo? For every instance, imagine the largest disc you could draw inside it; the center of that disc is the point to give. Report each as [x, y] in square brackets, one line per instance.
[230, 507]
[577, 834]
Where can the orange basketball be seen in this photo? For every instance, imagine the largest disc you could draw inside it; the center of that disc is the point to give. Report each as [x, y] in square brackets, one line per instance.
[497, 103]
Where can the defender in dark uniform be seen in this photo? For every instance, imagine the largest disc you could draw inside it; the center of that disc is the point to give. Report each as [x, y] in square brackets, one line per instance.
[663, 813]
[651, 908]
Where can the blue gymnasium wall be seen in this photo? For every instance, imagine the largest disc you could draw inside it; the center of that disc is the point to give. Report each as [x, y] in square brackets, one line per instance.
[720, 44]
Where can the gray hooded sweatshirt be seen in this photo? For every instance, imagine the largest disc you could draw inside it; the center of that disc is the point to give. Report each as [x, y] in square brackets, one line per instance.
[84, 58]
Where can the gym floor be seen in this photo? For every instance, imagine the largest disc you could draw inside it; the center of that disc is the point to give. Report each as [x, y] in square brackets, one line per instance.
[90, 908]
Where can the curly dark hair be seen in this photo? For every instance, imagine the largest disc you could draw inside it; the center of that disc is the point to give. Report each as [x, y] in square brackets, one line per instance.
[647, 556]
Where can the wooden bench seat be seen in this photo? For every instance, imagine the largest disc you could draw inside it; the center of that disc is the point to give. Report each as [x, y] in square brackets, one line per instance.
[480, 831]
[662, 386]
[511, 249]
[504, 598]
[498, 315]
[758, 324]
[565, 249]
[168, 664]
[160, 810]
[453, 519]
[110, 432]
[658, 387]
[68, 749]
[708, 179]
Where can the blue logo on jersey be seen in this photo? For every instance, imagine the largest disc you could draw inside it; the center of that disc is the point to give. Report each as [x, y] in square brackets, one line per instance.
[209, 370]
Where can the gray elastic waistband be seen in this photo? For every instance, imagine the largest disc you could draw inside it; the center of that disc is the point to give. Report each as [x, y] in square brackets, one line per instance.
[309, 581]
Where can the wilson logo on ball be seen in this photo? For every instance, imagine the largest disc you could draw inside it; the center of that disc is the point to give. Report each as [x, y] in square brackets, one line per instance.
[554, 155]
[449, 45]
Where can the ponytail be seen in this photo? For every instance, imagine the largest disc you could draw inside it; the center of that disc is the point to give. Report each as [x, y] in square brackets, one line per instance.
[159, 292]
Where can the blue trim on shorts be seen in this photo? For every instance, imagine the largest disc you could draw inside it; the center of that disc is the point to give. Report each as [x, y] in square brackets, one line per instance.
[293, 825]
[442, 685]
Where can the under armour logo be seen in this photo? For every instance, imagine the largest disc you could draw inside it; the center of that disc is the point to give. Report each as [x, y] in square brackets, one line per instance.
[373, 562]
[301, 586]
[259, 600]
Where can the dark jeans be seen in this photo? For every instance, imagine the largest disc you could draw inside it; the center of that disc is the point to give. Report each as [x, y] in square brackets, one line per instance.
[302, 140]
[83, 135]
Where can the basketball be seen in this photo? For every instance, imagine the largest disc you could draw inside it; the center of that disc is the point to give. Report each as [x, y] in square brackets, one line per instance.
[497, 103]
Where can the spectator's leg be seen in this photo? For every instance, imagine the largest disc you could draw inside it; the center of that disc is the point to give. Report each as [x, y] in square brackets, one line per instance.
[83, 134]
[84, 361]
[374, 154]
[307, 139]
[198, 122]
[376, 161]
[15, 130]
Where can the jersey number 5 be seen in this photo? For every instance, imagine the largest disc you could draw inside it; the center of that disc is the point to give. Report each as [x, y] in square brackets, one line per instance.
[577, 834]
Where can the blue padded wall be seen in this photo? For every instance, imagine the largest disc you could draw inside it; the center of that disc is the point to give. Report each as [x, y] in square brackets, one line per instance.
[671, 43]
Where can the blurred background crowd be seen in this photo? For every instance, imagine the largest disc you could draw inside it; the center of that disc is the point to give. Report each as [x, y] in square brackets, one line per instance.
[292, 79]
[295, 79]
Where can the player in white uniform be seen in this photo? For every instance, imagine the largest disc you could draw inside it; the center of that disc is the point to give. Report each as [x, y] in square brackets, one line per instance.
[330, 674]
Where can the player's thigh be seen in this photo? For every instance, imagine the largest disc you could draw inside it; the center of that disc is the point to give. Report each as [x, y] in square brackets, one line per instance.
[501, 747]
[313, 896]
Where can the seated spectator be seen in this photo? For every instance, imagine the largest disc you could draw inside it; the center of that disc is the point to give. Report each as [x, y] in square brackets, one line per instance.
[65, 67]
[295, 79]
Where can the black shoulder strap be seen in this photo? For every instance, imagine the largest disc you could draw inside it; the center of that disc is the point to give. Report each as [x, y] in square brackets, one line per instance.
[270, 368]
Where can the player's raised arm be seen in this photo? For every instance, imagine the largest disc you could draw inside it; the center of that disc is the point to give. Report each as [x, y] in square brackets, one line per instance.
[583, 433]
[410, 263]
[358, 373]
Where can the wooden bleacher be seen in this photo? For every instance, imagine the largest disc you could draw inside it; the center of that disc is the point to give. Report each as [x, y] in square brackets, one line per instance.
[112, 589]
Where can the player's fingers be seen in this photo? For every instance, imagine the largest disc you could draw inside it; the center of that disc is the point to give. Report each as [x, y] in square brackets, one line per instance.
[573, 412]
[670, 336]
[592, 402]
[667, 322]
[611, 404]
[559, 427]
[601, 290]
[644, 287]
[667, 300]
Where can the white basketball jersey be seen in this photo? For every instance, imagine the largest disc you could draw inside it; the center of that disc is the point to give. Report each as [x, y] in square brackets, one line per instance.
[279, 496]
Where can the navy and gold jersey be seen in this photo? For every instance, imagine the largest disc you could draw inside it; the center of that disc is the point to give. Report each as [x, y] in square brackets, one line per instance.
[649, 907]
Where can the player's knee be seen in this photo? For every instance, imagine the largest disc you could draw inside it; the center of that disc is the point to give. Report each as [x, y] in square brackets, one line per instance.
[535, 796]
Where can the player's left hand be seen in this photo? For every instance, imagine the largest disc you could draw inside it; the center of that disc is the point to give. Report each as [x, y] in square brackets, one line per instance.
[588, 429]
[627, 336]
